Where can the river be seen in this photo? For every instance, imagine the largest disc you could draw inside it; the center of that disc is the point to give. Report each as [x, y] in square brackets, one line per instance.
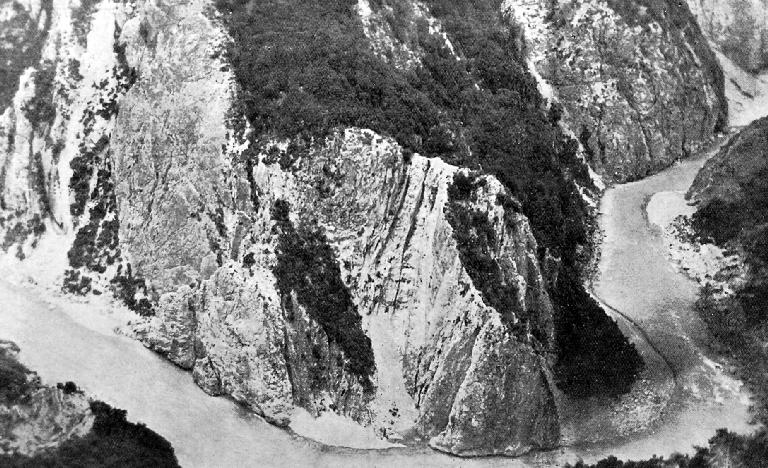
[693, 397]
[679, 401]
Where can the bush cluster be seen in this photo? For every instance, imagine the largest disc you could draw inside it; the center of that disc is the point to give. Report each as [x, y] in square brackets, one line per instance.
[40, 110]
[132, 291]
[15, 380]
[306, 265]
[725, 449]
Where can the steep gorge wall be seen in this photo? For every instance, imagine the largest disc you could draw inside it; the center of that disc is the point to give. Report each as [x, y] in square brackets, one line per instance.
[428, 328]
[638, 84]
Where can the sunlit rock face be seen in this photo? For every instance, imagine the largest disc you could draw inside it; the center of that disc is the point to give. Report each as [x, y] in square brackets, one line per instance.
[739, 28]
[639, 86]
[427, 328]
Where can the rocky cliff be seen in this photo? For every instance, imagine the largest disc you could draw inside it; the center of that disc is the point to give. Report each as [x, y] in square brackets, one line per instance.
[636, 80]
[731, 196]
[366, 208]
[739, 28]
[736, 172]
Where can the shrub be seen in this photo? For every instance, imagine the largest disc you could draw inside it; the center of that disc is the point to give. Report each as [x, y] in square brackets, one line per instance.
[76, 283]
[40, 110]
[68, 387]
[37, 181]
[14, 378]
[718, 221]
[130, 289]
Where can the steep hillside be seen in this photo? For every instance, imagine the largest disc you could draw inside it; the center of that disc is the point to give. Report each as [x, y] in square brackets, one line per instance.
[732, 212]
[360, 207]
[739, 28]
[636, 80]
[23, 30]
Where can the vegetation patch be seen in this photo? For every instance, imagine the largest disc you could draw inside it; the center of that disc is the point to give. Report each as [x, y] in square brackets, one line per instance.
[40, 109]
[593, 356]
[38, 182]
[478, 248]
[96, 244]
[23, 38]
[306, 265]
[725, 449]
[16, 381]
[81, 19]
[17, 231]
[132, 291]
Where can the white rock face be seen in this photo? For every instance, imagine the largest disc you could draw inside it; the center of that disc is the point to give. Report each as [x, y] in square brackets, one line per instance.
[431, 332]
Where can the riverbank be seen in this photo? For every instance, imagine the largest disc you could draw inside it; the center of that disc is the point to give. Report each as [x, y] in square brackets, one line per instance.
[46, 425]
[637, 279]
[208, 431]
[64, 344]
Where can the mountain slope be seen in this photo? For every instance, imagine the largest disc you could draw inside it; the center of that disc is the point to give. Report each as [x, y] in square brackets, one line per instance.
[739, 28]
